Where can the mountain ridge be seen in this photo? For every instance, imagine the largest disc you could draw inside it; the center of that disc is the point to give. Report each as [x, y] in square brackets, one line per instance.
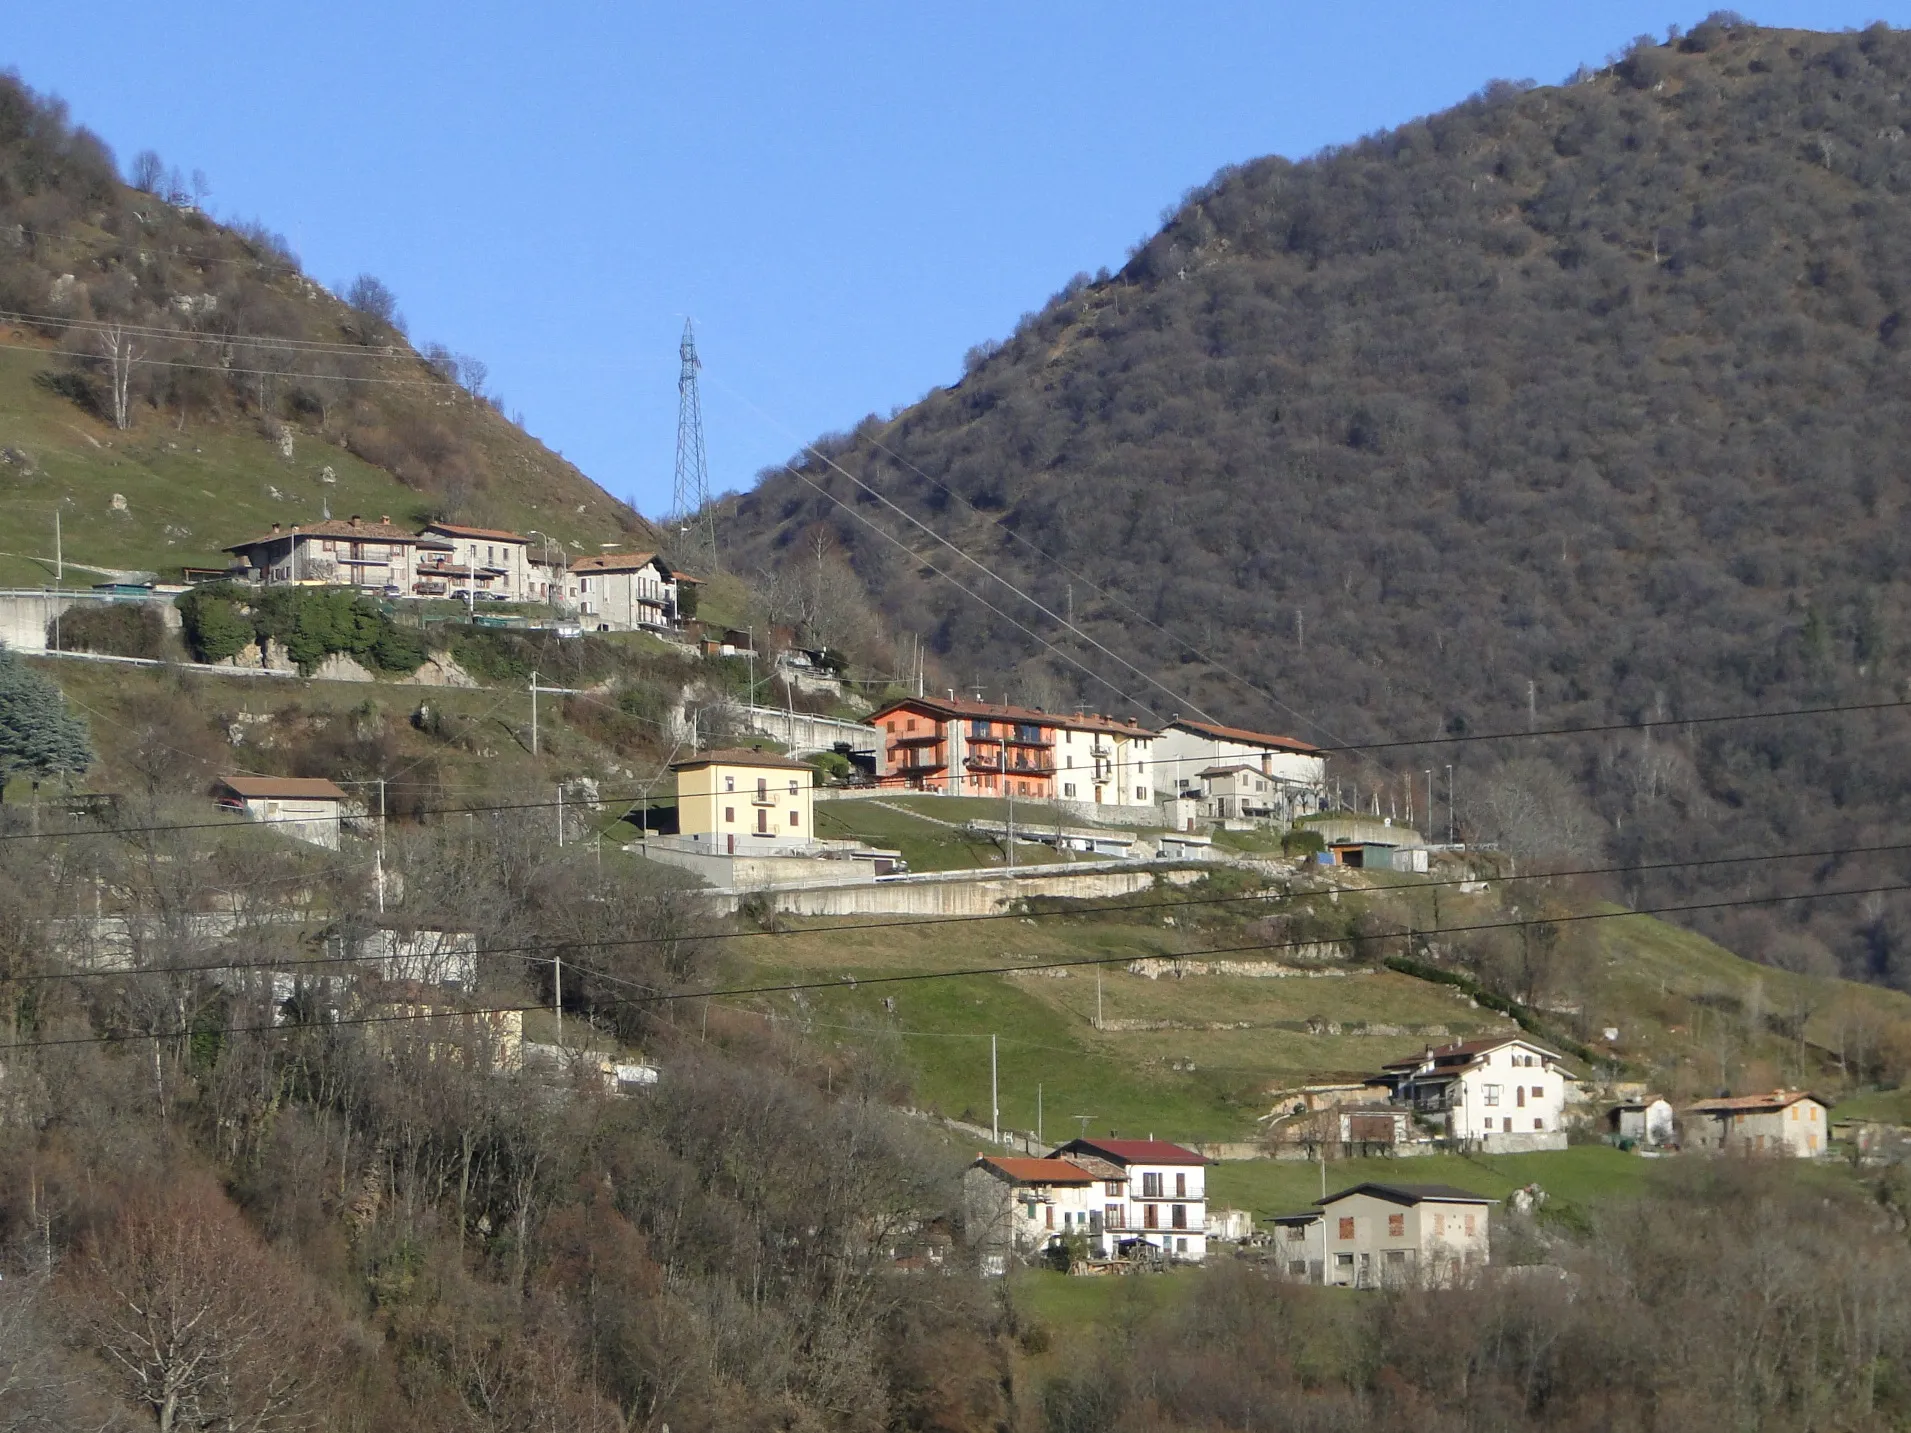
[1568, 405]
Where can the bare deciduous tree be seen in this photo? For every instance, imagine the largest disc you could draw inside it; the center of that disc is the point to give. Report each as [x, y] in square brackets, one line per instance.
[202, 1324]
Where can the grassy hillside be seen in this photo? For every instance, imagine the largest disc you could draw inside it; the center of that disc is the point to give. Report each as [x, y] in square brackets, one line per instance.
[1589, 394]
[247, 383]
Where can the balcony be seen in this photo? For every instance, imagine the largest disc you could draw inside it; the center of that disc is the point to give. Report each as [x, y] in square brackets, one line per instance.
[995, 764]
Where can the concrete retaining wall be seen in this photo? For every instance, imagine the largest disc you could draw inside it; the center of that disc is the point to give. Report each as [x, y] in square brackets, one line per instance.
[26, 612]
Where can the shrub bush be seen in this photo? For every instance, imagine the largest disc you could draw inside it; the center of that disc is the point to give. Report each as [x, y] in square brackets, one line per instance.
[119, 629]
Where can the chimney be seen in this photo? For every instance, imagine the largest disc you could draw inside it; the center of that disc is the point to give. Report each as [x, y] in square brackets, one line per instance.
[295, 527]
[275, 527]
[354, 519]
[385, 518]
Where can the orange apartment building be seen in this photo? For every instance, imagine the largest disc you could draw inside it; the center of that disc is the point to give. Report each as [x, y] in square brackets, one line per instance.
[959, 747]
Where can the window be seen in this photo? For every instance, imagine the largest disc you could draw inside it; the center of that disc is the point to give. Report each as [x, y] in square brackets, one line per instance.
[892, 728]
[1296, 1233]
[1519, 1096]
[1181, 1186]
[1439, 1225]
[1048, 1216]
[1111, 1216]
[912, 723]
[1111, 1188]
[1180, 1219]
[729, 813]
[1181, 1246]
[1397, 1257]
[1343, 1261]
[796, 818]
[1068, 788]
[1151, 1216]
[1470, 1226]
[978, 728]
[729, 783]
[1539, 1124]
[1490, 1094]
[1794, 1113]
[1151, 1185]
[1297, 1268]
[1539, 1092]
[1396, 1226]
[1347, 1230]
[1141, 793]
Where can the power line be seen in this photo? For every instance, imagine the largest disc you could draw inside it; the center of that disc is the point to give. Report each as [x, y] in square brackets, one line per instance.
[972, 972]
[547, 949]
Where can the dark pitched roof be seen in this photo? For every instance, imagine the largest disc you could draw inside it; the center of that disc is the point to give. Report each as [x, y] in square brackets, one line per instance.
[383, 530]
[1412, 1194]
[735, 756]
[1215, 732]
[1132, 1151]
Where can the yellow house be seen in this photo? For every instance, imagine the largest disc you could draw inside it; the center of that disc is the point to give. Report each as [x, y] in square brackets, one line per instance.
[744, 802]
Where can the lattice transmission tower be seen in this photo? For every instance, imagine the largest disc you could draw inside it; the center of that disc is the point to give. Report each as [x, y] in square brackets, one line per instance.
[695, 518]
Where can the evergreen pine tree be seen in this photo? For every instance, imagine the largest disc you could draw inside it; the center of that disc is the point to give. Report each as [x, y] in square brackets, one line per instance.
[37, 734]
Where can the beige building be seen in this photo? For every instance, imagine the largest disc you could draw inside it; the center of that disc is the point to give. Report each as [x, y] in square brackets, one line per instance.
[1787, 1123]
[308, 807]
[745, 802]
[1397, 1235]
[339, 552]
[486, 562]
[627, 592]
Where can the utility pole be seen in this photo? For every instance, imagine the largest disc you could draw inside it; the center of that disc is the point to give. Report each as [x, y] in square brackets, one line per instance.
[1038, 1113]
[59, 550]
[557, 983]
[1097, 998]
[1532, 706]
[534, 713]
[1449, 803]
[696, 520]
[1429, 800]
[1009, 787]
[995, 1106]
[560, 815]
[381, 845]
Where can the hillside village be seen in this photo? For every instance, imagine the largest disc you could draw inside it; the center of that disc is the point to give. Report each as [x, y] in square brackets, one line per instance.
[1079, 811]
[473, 957]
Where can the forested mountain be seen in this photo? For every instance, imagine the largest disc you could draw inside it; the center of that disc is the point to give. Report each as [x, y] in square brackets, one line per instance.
[151, 354]
[1572, 404]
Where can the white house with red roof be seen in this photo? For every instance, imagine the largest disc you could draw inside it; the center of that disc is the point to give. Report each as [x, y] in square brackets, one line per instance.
[1257, 774]
[1152, 1192]
[1504, 1095]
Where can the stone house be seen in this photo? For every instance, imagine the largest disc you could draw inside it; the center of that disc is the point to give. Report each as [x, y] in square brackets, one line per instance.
[1785, 1123]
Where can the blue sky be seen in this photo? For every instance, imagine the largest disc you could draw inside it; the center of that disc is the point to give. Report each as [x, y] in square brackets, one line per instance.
[845, 196]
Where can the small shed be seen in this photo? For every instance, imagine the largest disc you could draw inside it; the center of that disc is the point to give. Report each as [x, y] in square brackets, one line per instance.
[308, 807]
[1646, 1121]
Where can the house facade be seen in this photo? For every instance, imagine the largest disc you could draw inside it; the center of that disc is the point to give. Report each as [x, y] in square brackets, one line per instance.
[1502, 1095]
[959, 747]
[1403, 1235]
[1152, 1192]
[339, 552]
[1790, 1124]
[1649, 1121]
[309, 808]
[627, 592]
[737, 802]
[1294, 771]
[486, 562]
[1016, 1207]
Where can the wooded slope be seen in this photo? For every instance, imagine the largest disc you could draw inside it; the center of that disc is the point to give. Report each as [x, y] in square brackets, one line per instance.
[1600, 388]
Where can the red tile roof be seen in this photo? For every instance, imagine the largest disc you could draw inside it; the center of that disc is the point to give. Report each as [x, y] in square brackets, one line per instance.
[1216, 732]
[282, 788]
[1036, 1171]
[1133, 1151]
[961, 708]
